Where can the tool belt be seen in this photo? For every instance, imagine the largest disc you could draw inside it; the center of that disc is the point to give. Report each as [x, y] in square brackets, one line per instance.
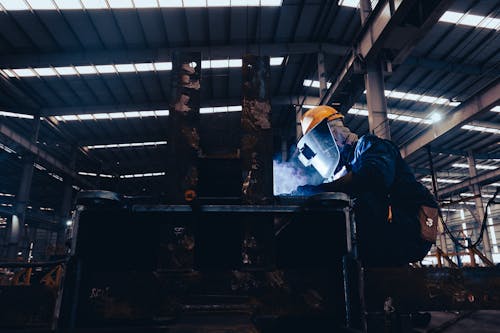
[429, 219]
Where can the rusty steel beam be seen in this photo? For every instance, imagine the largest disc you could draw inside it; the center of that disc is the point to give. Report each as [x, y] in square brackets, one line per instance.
[184, 140]
[257, 137]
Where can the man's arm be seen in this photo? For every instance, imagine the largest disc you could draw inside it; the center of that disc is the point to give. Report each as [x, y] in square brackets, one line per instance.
[343, 184]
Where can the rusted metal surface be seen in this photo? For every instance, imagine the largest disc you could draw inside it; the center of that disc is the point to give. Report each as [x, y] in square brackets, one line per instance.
[184, 140]
[256, 139]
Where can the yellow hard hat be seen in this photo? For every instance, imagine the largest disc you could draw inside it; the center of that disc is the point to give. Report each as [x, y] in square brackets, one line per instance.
[316, 115]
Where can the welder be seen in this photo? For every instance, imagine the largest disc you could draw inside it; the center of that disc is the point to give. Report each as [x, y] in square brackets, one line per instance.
[396, 216]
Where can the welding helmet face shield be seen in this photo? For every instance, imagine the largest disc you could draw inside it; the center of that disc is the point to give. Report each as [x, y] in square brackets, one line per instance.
[318, 147]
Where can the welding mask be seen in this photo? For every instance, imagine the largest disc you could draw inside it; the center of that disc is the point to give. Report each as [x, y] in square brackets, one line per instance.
[317, 147]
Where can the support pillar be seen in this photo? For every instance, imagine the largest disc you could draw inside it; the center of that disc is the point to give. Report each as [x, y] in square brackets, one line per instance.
[441, 240]
[15, 230]
[298, 119]
[476, 190]
[257, 138]
[184, 140]
[65, 209]
[374, 85]
[321, 75]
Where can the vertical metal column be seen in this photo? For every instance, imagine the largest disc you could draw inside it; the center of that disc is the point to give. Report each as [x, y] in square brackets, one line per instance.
[257, 139]
[321, 75]
[479, 206]
[441, 241]
[184, 140]
[65, 209]
[16, 225]
[374, 84]
[298, 119]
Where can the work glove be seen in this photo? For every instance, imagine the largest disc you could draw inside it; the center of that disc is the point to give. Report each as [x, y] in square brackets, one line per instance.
[308, 190]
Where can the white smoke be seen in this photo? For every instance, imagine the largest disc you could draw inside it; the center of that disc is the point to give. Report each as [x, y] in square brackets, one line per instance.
[288, 176]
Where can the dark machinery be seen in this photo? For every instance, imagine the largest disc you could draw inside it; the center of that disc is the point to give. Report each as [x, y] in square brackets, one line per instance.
[203, 268]
[287, 267]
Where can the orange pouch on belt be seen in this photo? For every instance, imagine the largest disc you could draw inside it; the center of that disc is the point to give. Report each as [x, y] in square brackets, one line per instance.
[428, 218]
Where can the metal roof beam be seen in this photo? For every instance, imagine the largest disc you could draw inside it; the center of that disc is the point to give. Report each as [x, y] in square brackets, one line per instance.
[163, 54]
[59, 111]
[33, 148]
[481, 102]
[394, 25]
[482, 179]
[480, 156]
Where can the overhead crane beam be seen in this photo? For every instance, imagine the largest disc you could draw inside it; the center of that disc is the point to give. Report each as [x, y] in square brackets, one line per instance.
[381, 31]
[49, 159]
[482, 179]
[164, 54]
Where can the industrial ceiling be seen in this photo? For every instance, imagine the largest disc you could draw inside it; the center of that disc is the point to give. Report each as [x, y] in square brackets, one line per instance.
[98, 73]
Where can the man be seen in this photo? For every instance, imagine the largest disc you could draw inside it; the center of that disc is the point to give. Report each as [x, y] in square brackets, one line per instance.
[388, 198]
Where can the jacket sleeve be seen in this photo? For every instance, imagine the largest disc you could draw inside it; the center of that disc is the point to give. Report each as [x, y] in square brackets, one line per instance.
[374, 164]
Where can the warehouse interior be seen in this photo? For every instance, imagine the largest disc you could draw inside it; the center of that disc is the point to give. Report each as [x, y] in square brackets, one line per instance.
[89, 128]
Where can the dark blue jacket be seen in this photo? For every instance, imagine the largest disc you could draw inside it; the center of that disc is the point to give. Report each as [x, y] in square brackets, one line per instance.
[381, 178]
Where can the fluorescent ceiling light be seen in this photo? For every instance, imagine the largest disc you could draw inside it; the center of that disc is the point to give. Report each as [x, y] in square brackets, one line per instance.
[442, 180]
[163, 66]
[9, 73]
[145, 4]
[125, 68]
[101, 115]
[41, 4]
[219, 64]
[147, 113]
[127, 145]
[393, 116]
[24, 72]
[170, 3]
[496, 109]
[68, 4]
[144, 67]
[451, 17]
[66, 70]
[85, 70]
[16, 115]
[46, 71]
[141, 175]
[314, 84]
[94, 4]
[218, 3]
[195, 3]
[85, 117]
[276, 61]
[6, 195]
[478, 166]
[349, 3]
[132, 114]
[116, 115]
[120, 4]
[162, 113]
[470, 20]
[482, 129]
[69, 117]
[14, 5]
[105, 69]
[235, 63]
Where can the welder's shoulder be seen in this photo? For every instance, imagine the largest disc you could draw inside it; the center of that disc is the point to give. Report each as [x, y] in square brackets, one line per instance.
[372, 143]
